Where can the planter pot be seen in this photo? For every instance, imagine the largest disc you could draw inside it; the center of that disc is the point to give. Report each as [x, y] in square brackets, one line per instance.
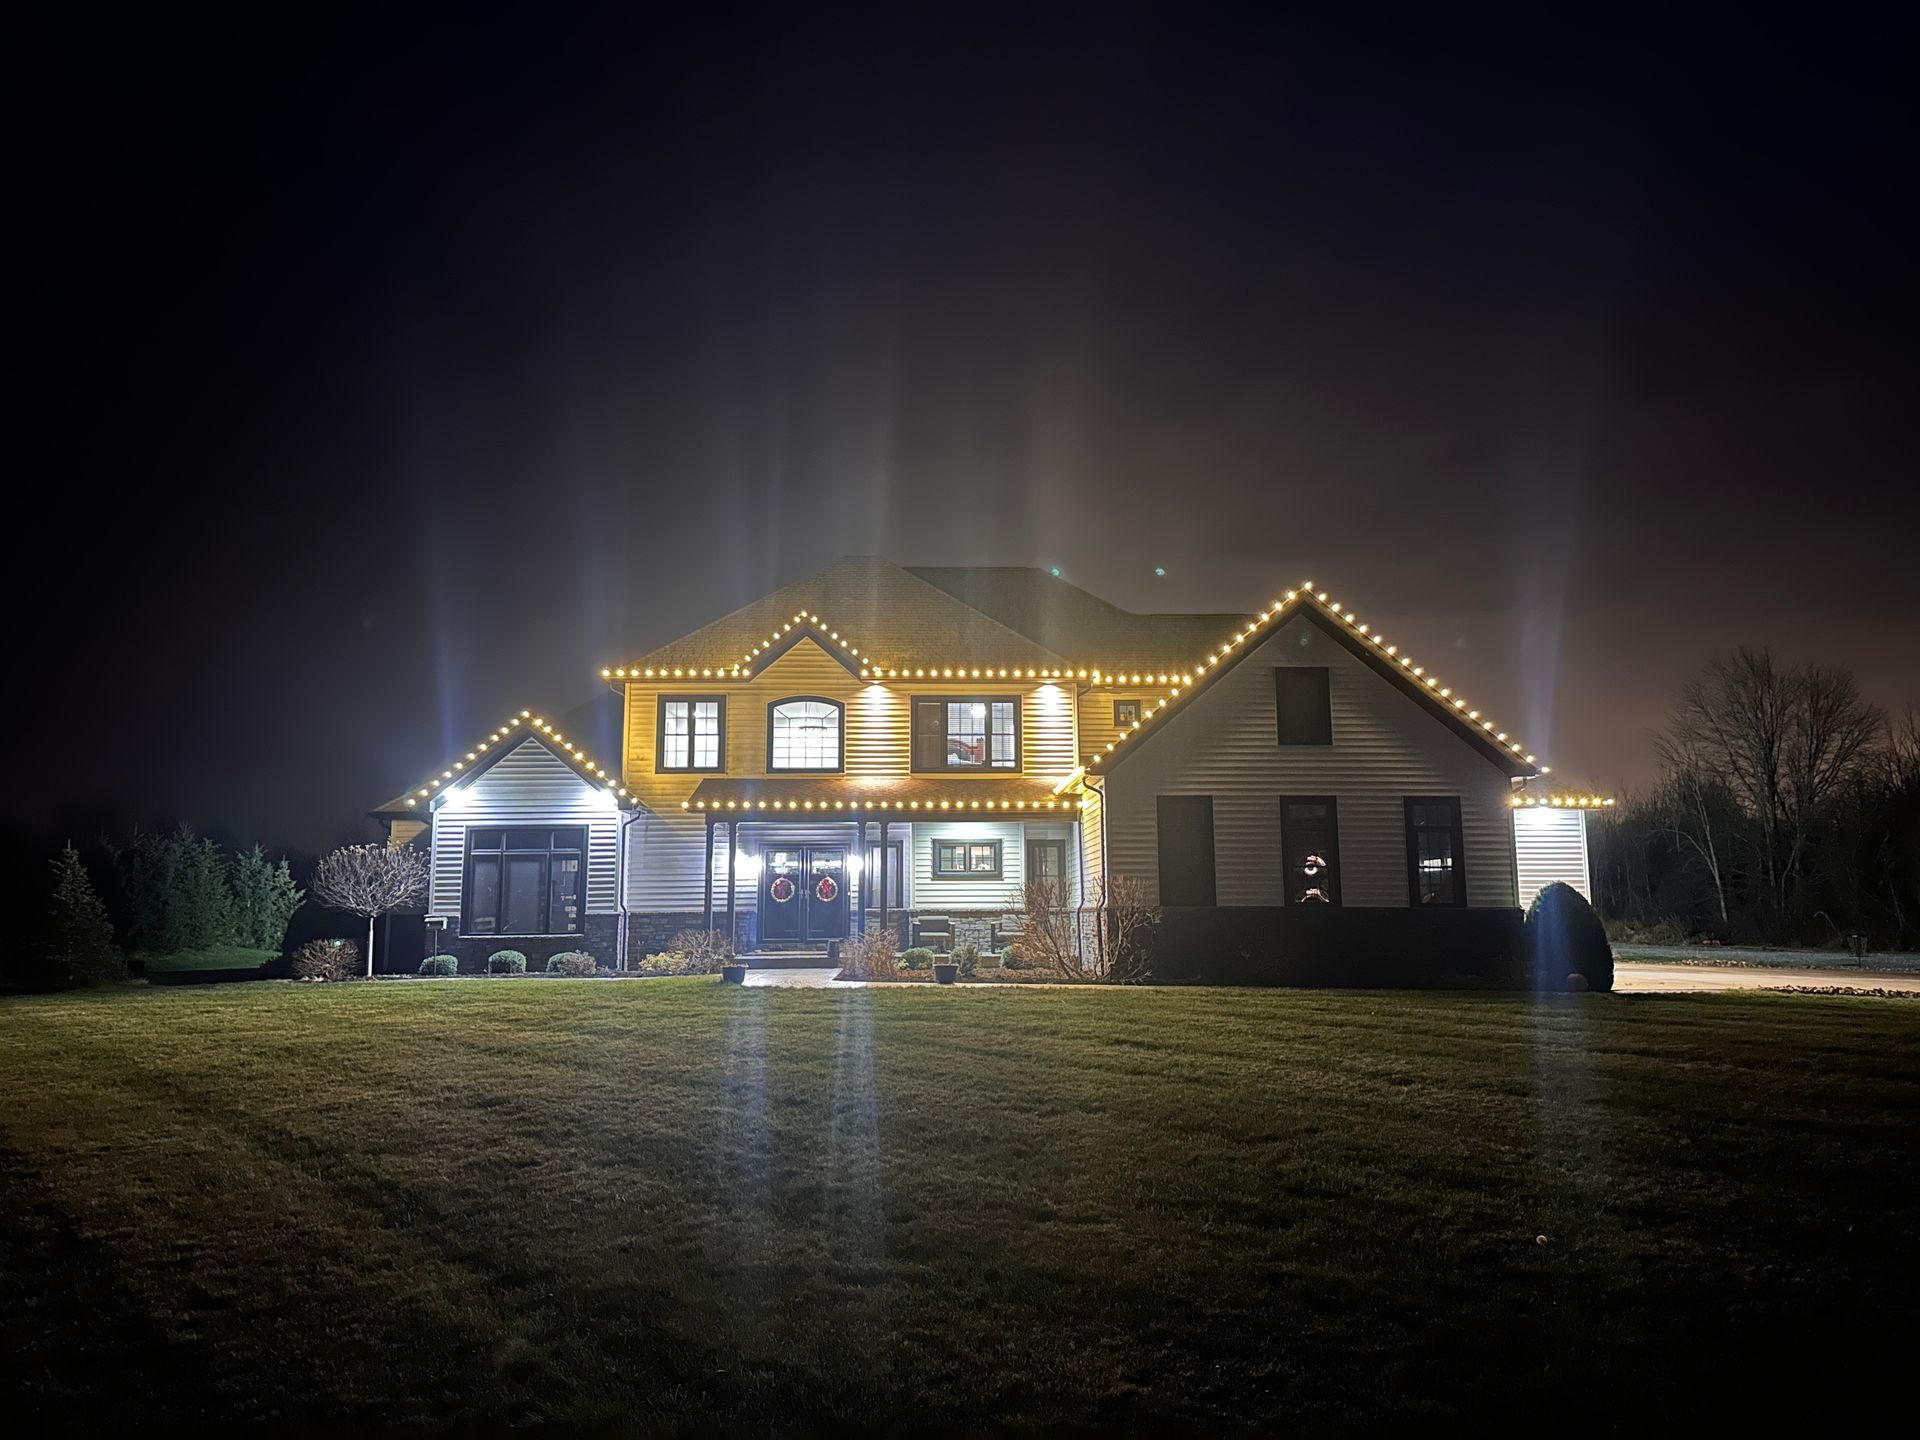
[733, 974]
[945, 972]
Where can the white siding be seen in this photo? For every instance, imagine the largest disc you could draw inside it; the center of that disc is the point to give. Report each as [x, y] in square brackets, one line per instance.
[529, 785]
[1550, 845]
[1386, 746]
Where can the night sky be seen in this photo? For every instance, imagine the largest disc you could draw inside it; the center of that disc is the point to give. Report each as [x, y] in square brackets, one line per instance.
[398, 371]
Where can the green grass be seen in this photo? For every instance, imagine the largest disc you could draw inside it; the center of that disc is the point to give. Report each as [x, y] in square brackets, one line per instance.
[216, 957]
[682, 1202]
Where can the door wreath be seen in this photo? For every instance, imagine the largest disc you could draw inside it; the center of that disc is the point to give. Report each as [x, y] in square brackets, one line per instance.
[781, 890]
[826, 889]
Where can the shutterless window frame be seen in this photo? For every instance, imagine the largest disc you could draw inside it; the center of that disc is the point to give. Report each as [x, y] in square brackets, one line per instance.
[1456, 831]
[500, 853]
[1332, 802]
[660, 765]
[1128, 722]
[945, 767]
[840, 736]
[942, 873]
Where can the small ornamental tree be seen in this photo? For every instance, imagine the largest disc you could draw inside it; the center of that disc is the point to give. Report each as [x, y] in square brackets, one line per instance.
[264, 899]
[371, 880]
[80, 945]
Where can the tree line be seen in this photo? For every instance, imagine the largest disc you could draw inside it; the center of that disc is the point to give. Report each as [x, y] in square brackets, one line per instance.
[1786, 811]
[161, 894]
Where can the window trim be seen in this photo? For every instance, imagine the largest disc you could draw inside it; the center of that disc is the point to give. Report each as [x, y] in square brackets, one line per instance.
[1139, 713]
[1459, 901]
[546, 879]
[999, 859]
[840, 749]
[1279, 738]
[660, 767]
[1332, 802]
[914, 766]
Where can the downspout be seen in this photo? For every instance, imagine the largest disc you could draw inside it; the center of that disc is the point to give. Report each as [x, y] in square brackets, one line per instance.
[621, 859]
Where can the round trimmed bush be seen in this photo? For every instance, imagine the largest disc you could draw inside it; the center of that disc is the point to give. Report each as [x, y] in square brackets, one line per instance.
[572, 962]
[917, 958]
[440, 965]
[506, 962]
[1565, 939]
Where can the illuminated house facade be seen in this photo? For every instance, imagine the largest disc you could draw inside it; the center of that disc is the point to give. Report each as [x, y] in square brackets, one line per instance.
[904, 746]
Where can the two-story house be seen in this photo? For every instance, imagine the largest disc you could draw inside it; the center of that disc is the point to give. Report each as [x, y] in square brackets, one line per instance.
[908, 746]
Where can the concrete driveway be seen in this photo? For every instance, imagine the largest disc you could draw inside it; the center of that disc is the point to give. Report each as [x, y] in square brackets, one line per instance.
[1634, 978]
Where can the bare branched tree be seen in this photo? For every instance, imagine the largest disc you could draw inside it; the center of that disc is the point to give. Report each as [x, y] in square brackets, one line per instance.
[1047, 941]
[371, 880]
[1129, 919]
[1781, 741]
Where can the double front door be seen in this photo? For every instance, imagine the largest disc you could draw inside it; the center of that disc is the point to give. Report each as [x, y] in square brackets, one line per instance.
[803, 893]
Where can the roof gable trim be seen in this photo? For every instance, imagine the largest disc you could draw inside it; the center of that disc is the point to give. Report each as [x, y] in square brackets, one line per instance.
[1363, 641]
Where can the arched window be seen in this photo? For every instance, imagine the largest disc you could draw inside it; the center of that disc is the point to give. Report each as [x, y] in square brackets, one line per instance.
[804, 734]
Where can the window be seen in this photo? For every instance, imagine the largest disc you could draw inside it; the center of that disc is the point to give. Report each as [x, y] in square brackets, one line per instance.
[804, 734]
[1186, 849]
[966, 859]
[977, 733]
[1310, 849]
[691, 727]
[1436, 860]
[529, 881]
[1302, 702]
[1126, 714]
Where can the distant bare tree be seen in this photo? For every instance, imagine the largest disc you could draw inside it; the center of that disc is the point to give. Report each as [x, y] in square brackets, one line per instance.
[1695, 808]
[1782, 741]
[371, 880]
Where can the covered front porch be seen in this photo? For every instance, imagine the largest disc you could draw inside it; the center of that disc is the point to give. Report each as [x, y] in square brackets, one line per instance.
[798, 866]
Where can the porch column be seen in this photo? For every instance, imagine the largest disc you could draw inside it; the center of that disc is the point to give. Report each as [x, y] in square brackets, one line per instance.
[883, 871]
[706, 871]
[866, 880]
[733, 844]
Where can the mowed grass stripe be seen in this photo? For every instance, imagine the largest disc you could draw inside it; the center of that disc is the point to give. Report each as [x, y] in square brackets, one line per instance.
[684, 1203]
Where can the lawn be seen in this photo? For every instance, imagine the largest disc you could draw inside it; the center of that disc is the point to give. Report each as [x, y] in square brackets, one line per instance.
[681, 1202]
[217, 957]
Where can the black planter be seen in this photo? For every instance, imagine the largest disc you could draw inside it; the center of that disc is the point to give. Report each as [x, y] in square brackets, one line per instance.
[945, 972]
[733, 974]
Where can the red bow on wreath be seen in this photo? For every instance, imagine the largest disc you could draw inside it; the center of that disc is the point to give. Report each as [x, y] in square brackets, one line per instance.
[781, 890]
[827, 888]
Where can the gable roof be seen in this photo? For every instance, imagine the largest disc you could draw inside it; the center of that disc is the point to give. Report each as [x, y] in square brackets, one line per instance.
[415, 803]
[863, 610]
[1361, 640]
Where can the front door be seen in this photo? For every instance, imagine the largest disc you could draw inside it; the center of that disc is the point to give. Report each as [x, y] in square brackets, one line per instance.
[1047, 860]
[803, 893]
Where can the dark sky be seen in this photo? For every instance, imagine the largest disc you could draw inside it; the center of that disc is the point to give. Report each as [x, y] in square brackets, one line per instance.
[403, 370]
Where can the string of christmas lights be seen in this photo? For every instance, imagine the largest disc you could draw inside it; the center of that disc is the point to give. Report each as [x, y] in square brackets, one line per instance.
[532, 723]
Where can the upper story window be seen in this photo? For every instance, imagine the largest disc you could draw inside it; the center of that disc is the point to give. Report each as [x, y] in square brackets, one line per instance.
[975, 733]
[1126, 714]
[804, 734]
[1436, 873]
[1303, 704]
[692, 730]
